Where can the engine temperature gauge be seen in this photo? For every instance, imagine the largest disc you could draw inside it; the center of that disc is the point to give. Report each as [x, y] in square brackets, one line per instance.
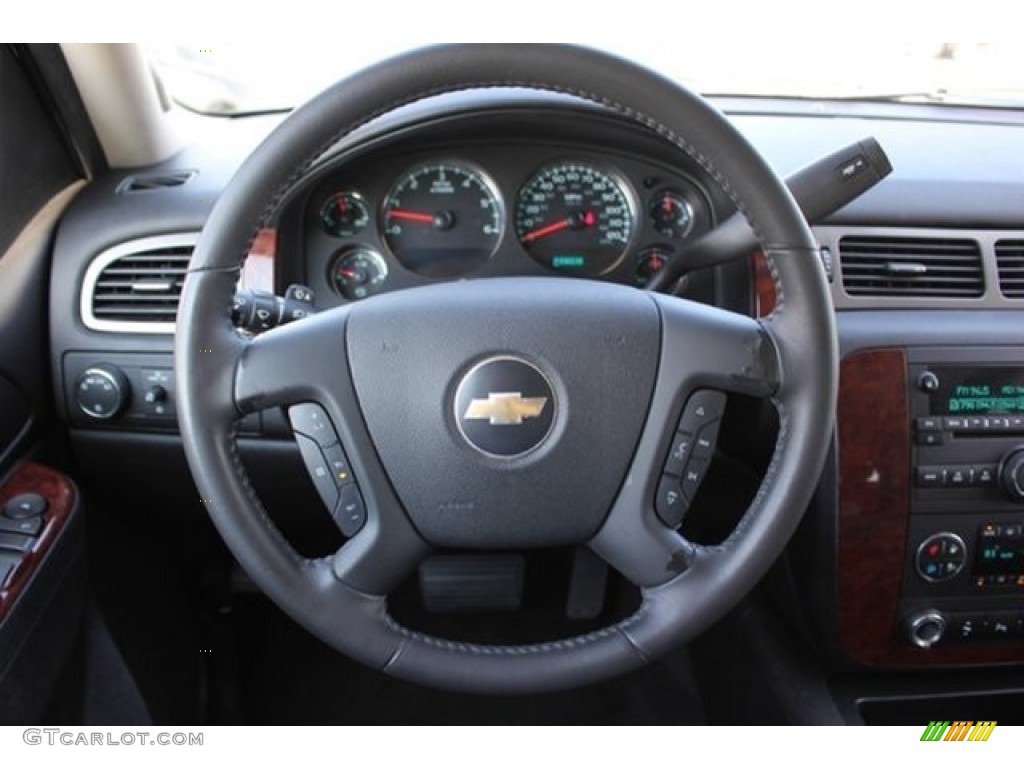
[358, 272]
[650, 262]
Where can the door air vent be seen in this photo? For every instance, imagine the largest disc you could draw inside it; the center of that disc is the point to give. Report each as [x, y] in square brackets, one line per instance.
[910, 266]
[148, 182]
[134, 287]
[1010, 260]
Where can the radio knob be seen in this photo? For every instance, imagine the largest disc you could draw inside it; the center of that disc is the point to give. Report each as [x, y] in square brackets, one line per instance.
[1012, 474]
[928, 382]
[926, 628]
[102, 391]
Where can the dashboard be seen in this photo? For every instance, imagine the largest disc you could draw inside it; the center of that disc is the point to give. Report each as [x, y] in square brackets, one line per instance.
[476, 198]
[498, 208]
[925, 273]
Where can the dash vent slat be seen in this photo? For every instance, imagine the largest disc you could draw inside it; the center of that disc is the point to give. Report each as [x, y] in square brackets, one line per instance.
[1010, 262]
[903, 266]
[135, 287]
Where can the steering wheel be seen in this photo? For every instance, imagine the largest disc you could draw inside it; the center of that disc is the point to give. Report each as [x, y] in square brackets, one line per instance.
[507, 412]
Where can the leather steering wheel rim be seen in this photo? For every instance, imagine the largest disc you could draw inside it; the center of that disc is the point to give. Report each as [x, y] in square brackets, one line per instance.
[790, 357]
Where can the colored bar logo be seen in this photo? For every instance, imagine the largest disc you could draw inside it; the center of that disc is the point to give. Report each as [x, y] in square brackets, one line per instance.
[960, 730]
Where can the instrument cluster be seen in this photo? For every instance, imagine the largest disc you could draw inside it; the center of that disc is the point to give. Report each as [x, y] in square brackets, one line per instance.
[503, 210]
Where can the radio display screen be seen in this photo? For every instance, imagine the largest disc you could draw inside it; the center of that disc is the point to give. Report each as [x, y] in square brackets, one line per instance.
[984, 391]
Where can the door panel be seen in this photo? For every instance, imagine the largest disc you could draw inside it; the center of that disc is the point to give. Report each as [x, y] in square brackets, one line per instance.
[39, 177]
[42, 552]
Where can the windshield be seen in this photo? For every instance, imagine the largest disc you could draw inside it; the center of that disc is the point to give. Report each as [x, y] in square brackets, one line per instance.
[231, 79]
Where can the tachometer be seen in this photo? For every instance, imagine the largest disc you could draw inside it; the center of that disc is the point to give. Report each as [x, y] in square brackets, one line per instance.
[573, 217]
[442, 219]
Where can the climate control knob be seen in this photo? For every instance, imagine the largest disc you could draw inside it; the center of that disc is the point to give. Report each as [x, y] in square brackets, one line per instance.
[1012, 474]
[926, 628]
[940, 557]
[102, 391]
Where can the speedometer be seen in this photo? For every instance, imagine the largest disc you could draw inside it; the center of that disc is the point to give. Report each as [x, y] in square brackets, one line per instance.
[572, 217]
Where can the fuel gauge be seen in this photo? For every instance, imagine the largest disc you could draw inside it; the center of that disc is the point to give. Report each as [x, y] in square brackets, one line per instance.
[671, 214]
[344, 214]
[358, 272]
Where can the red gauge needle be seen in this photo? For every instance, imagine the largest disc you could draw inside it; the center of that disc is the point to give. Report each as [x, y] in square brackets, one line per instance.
[573, 221]
[425, 218]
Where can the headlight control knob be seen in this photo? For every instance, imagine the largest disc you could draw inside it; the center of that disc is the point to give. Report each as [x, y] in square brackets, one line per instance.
[102, 391]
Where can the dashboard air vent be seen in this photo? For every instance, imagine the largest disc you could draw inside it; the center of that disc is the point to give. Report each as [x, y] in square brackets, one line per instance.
[135, 287]
[147, 182]
[1010, 258]
[907, 266]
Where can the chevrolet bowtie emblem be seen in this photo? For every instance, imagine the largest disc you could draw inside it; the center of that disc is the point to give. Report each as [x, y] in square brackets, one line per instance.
[506, 408]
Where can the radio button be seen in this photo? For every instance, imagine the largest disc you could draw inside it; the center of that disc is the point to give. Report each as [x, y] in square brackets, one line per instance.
[976, 424]
[678, 454]
[703, 407]
[931, 477]
[670, 503]
[1017, 423]
[693, 476]
[959, 477]
[985, 476]
[704, 444]
[929, 424]
[931, 438]
[955, 423]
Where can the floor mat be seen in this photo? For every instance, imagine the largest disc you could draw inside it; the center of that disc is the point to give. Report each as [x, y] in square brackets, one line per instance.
[278, 674]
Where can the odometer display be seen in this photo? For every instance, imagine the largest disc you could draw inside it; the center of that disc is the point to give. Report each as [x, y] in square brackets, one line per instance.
[575, 218]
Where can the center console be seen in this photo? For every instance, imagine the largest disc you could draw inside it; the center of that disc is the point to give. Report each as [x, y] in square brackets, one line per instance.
[964, 575]
[931, 506]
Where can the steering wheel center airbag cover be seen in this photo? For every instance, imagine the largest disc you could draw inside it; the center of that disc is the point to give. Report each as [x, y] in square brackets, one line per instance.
[506, 412]
[505, 407]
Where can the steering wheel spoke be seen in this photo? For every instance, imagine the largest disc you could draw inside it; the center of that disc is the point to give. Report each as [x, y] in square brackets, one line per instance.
[303, 367]
[707, 347]
[295, 363]
[706, 354]
[638, 545]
